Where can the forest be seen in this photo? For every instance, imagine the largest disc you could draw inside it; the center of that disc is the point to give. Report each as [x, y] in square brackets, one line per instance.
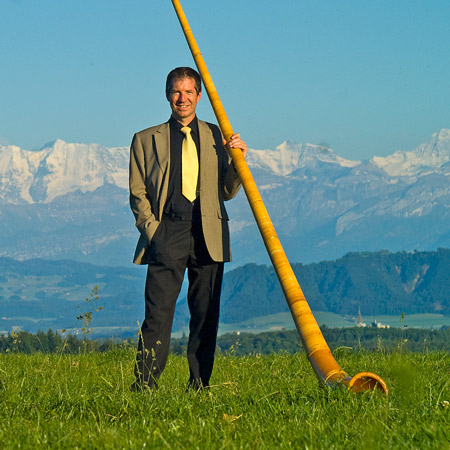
[377, 283]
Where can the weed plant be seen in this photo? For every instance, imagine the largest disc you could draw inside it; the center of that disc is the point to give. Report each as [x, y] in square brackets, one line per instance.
[83, 401]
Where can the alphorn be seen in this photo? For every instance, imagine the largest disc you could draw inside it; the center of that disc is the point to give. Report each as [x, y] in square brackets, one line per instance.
[326, 368]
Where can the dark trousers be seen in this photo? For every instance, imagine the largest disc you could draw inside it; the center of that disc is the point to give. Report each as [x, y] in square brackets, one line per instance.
[176, 246]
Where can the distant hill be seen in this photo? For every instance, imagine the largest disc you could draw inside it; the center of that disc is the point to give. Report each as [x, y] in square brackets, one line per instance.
[377, 283]
[41, 294]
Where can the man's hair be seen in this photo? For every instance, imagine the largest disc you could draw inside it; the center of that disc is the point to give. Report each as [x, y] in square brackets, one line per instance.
[183, 72]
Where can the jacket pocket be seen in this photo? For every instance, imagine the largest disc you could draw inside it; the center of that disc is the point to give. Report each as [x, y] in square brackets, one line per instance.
[222, 214]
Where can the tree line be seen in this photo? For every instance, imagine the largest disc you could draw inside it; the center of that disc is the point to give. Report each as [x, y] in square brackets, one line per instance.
[242, 344]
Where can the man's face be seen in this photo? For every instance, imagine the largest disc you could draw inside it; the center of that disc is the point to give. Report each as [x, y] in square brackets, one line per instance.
[183, 99]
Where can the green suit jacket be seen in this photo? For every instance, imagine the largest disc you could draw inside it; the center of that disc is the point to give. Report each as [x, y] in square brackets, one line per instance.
[149, 182]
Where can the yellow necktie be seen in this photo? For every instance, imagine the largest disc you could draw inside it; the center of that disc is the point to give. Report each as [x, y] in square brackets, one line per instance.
[189, 166]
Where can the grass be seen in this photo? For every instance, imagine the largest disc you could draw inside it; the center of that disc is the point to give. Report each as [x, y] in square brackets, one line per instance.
[256, 402]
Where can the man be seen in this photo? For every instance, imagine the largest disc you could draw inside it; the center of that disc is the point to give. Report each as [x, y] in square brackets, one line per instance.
[180, 176]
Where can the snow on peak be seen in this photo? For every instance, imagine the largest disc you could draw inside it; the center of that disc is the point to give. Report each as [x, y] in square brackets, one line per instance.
[59, 168]
[289, 156]
[434, 154]
[438, 149]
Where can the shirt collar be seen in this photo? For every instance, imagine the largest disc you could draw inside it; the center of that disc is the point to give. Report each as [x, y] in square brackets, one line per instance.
[193, 125]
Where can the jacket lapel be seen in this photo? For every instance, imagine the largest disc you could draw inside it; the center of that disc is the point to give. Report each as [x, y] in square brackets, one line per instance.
[162, 146]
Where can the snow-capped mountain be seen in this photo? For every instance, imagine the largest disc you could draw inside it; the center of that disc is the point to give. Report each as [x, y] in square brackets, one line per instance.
[290, 156]
[70, 200]
[58, 169]
[426, 158]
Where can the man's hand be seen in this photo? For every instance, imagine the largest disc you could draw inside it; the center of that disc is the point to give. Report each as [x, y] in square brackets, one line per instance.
[235, 142]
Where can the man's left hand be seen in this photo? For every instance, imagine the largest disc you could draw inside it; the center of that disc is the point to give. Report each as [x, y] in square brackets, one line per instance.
[235, 142]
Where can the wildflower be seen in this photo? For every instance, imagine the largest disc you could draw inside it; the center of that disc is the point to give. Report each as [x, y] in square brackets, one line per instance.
[445, 404]
[230, 418]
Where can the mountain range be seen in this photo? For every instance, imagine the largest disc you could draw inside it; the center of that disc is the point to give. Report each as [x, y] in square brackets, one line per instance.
[70, 201]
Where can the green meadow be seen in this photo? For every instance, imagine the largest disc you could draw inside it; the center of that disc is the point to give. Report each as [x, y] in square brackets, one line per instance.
[63, 401]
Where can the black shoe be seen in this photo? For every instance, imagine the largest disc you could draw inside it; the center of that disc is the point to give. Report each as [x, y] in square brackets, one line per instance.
[196, 385]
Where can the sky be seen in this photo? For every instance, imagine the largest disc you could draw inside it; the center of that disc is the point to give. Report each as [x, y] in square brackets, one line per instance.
[364, 78]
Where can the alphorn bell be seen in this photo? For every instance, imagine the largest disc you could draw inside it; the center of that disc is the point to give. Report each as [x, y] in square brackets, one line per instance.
[319, 354]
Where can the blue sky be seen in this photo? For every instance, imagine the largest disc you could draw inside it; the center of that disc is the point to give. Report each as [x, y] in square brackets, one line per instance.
[363, 77]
